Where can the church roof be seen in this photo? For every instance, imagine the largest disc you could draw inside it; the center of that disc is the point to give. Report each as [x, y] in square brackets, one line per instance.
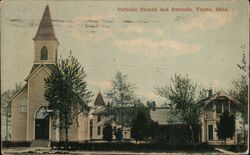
[45, 30]
[99, 100]
[19, 92]
[52, 67]
[35, 68]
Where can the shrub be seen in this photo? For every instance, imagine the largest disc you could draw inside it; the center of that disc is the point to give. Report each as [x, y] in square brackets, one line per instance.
[107, 132]
[118, 134]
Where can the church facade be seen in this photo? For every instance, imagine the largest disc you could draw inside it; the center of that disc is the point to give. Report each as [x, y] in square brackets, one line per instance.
[30, 119]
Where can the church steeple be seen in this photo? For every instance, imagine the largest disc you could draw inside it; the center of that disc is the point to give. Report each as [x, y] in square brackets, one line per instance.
[45, 40]
[45, 30]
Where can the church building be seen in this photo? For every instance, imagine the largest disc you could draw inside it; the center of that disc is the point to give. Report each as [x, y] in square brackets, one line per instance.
[30, 119]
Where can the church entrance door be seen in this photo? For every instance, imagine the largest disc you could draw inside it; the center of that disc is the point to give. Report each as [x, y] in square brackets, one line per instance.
[41, 124]
[42, 128]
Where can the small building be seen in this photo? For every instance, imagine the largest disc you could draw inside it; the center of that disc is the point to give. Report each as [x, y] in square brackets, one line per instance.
[172, 129]
[101, 115]
[212, 108]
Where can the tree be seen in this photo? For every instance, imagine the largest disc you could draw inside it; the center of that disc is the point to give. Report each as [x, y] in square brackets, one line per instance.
[240, 93]
[6, 96]
[107, 132]
[67, 93]
[181, 96]
[140, 124]
[6, 106]
[154, 131]
[226, 126]
[151, 104]
[122, 100]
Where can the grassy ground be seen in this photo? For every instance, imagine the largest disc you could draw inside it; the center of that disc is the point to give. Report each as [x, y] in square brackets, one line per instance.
[121, 148]
[38, 150]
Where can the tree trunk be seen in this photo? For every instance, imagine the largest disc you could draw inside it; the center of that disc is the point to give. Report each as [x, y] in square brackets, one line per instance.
[66, 132]
[122, 122]
[244, 132]
[66, 139]
[192, 134]
[122, 126]
[122, 96]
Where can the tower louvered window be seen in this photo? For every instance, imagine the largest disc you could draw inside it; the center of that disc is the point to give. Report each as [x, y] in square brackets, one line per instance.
[44, 53]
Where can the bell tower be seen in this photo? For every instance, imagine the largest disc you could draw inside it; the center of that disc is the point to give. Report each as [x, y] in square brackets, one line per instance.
[45, 41]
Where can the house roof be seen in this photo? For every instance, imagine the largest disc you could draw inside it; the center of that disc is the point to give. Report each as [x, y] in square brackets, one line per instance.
[219, 95]
[101, 111]
[45, 30]
[164, 116]
[99, 100]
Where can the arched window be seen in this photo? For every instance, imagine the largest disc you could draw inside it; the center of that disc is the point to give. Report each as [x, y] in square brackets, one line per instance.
[41, 113]
[44, 53]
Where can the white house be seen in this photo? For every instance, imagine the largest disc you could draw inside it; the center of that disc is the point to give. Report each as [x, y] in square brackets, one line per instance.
[212, 108]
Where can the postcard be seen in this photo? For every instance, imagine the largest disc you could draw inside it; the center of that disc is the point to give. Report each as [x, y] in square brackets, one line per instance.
[124, 77]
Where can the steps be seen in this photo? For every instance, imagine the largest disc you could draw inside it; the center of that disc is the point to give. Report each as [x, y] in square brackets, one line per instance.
[40, 143]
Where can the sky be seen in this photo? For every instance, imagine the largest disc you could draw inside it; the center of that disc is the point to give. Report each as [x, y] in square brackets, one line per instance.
[150, 47]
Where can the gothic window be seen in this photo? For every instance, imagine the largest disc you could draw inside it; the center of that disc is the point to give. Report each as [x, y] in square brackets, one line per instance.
[41, 113]
[44, 53]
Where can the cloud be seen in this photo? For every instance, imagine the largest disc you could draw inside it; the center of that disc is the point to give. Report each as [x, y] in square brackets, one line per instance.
[147, 95]
[91, 26]
[16, 20]
[132, 29]
[128, 21]
[140, 21]
[100, 84]
[217, 84]
[84, 26]
[159, 32]
[210, 20]
[58, 20]
[152, 47]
